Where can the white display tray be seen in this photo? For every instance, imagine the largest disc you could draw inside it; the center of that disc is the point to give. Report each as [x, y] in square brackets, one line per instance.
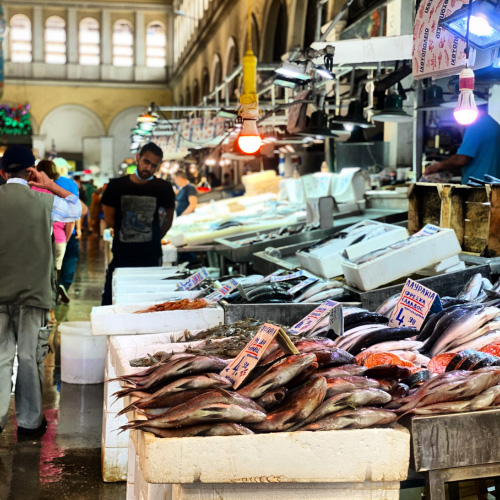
[121, 320]
[142, 271]
[327, 261]
[423, 252]
[376, 454]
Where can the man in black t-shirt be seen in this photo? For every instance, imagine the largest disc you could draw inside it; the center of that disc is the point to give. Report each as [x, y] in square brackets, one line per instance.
[130, 206]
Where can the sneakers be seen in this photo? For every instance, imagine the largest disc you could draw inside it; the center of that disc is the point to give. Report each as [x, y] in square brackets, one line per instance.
[33, 433]
[63, 293]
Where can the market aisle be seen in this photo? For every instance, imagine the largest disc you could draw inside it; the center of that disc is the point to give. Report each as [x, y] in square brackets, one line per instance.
[66, 462]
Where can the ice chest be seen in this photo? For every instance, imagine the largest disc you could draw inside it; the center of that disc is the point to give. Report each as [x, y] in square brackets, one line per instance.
[402, 262]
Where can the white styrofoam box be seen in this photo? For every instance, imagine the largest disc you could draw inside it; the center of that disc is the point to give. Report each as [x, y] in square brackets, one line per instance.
[110, 425]
[153, 297]
[124, 271]
[137, 279]
[326, 261]
[423, 252]
[146, 287]
[459, 267]
[111, 404]
[443, 265]
[121, 320]
[169, 253]
[388, 490]
[114, 464]
[377, 454]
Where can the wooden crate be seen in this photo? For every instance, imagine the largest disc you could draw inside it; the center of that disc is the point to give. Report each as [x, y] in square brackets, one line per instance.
[472, 212]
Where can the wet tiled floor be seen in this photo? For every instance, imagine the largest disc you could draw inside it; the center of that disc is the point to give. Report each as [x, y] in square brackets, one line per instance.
[65, 464]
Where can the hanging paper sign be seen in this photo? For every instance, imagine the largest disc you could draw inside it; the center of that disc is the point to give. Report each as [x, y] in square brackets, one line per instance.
[436, 51]
[222, 292]
[414, 305]
[193, 281]
[288, 277]
[301, 285]
[239, 369]
[314, 317]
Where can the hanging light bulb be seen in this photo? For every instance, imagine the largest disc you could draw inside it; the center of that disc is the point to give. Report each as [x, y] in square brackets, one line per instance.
[466, 111]
[249, 140]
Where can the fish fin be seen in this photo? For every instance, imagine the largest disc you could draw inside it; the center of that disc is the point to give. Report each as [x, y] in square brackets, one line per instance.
[124, 392]
[130, 407]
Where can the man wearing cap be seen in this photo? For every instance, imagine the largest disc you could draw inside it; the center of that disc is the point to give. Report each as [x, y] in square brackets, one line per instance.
[25, 282]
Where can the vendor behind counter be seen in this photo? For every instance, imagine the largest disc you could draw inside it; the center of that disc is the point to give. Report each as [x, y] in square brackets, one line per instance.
[479, 153]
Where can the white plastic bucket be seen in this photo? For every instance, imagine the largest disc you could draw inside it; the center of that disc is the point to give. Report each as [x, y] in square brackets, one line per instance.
[82, 356]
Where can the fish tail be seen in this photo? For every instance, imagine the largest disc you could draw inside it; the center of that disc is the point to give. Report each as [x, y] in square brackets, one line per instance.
[130, 407]
[123, 392]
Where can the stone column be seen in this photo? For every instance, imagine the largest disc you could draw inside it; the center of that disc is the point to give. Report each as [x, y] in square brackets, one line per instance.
[107, 161]
[37, 38]
[139, 39]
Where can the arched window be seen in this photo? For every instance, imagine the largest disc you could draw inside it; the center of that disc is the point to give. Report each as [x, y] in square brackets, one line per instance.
[205, 83]
[55, 40]
[123, 43]
[89, 39]
[20, 39]
[196, 93]
[217, 73]
[156, 41]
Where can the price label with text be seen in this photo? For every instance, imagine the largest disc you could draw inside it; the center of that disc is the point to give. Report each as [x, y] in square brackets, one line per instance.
[298, 274]
[414, 305]
[336, 322]
[269, 276]
[314, 317]
[193, 281]
[301, 285]
[239, 369]
[219, 294]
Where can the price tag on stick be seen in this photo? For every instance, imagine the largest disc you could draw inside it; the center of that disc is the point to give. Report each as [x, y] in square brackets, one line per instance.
[314, 317]
[193, 281]
[414, 305]
[219, 294]
[336, 322]
[239, 369]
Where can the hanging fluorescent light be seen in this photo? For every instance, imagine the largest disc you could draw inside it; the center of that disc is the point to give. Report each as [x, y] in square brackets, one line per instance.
[293, 70]
[484, 25]
[324, 73]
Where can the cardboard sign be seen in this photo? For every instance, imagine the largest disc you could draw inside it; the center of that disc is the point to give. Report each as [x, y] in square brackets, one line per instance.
[336, 322]
[314, 317]
[292, 276]
[269, 276]
[222, 292]
[239, 369]
[193, 281]
[413, 305]
[301, 285]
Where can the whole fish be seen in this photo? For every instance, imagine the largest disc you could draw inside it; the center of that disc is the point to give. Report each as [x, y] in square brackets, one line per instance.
[278, 375]
[224, 429]
[303, 346]
[396, 345]
[480, 402]
[353, 419]
[270, 400]
[447, 320]
[322, 296]
[363, 318]
[318, 287]
[341, 371]
[348, 384]
[479, 342]
[333, 356]
[185, 366]
[347, 311]
[354, 399]
[228, 429]
[201, 410]
[302, 377]
[296, 408]
[350, 337]
[468, 323]
[372, 338]
[413, 356]
[385, 309]
[472, 288]
[490, 327]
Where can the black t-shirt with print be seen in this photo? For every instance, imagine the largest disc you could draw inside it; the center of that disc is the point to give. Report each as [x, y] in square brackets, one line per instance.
[137, 227]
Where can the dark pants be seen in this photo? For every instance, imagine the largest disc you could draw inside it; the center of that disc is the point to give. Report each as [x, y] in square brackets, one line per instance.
[70, 261]
[107, 294]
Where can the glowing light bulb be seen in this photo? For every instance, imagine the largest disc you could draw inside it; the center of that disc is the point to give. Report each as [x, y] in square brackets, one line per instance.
[349, 127]
[249, 141]
[466, 111]
[480, 26]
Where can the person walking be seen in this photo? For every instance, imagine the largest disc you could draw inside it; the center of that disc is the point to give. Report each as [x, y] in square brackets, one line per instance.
[130, 205]
[25, 282]
[187, 197]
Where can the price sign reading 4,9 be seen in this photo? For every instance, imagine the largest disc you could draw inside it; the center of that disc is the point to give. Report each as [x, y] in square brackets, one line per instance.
[414, 305]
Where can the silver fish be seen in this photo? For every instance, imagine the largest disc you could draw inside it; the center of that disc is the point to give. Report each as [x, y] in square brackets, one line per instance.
[296, 408]
[278, 375]
[469, 323]
[396, 345]
[327, 294]
[316, 288]
[352, 419]
[355, 399]
[388, 305]
[479, 342]
[490, 327]
[472, 288]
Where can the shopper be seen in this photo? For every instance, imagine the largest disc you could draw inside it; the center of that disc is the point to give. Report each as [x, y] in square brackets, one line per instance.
[187, 197]
[130, 206]
[25, 286]
[479, 153]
